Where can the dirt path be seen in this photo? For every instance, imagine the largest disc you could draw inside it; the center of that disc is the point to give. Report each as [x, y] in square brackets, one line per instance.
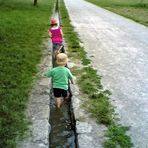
[118, 48]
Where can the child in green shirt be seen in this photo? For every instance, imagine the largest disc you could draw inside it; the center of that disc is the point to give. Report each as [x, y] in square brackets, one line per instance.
[60, 76]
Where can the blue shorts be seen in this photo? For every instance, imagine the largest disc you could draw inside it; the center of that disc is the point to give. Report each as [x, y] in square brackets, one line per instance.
[56, 46]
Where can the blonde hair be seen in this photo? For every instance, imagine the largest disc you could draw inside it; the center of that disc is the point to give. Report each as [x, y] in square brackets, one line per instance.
[62, 59]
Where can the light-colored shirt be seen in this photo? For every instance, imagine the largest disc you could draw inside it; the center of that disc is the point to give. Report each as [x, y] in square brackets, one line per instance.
[60, 76]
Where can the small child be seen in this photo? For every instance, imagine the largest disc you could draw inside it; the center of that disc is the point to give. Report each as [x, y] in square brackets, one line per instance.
[56, 34]
[60, 76]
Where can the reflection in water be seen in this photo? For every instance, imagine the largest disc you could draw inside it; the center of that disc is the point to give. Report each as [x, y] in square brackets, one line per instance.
[62, 133]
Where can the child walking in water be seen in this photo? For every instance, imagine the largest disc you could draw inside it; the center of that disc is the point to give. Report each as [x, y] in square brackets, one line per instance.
[60, 76]
[56, 34]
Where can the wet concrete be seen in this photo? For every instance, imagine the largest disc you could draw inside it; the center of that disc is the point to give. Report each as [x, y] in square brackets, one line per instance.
[118, 48]
[89, 133]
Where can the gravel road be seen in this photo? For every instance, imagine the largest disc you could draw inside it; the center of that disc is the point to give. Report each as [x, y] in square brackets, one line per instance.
[118, 48]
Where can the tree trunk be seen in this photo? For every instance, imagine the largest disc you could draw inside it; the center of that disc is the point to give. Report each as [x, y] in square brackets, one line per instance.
[35, 2]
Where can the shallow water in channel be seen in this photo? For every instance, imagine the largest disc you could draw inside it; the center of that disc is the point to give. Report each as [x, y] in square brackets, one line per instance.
[62, 130]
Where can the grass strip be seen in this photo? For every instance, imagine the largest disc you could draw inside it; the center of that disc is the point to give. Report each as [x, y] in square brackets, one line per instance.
[90, 84]
[22, 30]
[136, 10]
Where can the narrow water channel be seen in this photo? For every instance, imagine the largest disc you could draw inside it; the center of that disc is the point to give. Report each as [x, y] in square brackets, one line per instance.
[62, 121]
[62, 127]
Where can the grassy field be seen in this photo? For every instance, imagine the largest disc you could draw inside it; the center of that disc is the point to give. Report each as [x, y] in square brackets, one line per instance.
[89, 82]
[136, 10]
[22, 30]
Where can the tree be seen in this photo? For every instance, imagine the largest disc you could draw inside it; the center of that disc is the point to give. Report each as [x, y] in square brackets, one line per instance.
[35, 2]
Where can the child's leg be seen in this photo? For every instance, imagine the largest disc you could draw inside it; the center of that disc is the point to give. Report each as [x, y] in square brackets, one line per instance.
[54, 53]
[62, 48]
[65, 95]
[55, 46]
[58, 102]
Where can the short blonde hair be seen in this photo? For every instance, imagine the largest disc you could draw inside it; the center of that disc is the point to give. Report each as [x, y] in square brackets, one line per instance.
[62, 59]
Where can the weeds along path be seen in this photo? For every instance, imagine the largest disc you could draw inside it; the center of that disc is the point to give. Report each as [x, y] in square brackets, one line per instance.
[118, 50]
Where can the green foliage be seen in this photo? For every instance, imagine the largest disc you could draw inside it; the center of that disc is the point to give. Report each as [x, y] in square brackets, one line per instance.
[101, 109]
[130, 3]
[98, 104]
[133, 9]
[89, 81]
[117, 137]
[22, 29]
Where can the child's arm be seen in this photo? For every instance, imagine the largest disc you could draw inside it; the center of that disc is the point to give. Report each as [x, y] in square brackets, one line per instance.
[48, 73]
[71, 77]
[72, 81]
[49, 33]
[61, 32]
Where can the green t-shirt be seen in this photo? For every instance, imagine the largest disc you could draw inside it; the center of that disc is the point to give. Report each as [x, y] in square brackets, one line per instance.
[60, 76]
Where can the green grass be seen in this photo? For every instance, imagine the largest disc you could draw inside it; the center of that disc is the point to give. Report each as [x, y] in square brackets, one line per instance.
[22, 30]
[134, 3]
[89, 82]
[117, 137]
[136, 10]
